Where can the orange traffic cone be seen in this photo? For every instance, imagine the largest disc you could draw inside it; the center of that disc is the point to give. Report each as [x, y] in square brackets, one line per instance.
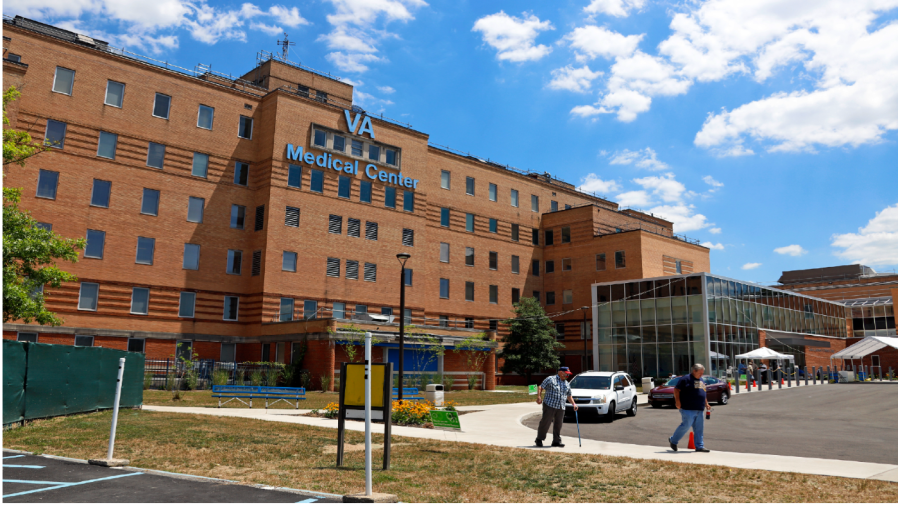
[754, 384]
[782, 381]
[691, 441]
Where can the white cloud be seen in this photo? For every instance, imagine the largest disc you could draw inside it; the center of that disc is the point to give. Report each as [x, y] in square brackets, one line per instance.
[750, 266]
[590, 42]
[791, 250]
[288, 17]
[339, 39]
[569, 78]
[711, 182]
[874, 244]
[664, 187]
[514, 37]
[371, 102]
[710, 245]
[644, 158]
[592, 184]
[351, 62]
[352, 82]
[387, 90]
[683, 217]
[636, 199]
[617, 8]
[715, 231]
[269, 29]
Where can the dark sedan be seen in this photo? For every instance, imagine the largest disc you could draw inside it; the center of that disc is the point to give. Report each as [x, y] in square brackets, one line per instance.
[718, 391]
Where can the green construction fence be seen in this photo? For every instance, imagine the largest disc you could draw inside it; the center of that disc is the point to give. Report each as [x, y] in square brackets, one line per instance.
[47, 380]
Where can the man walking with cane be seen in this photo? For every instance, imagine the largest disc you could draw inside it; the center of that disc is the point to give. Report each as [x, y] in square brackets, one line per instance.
[557, 390]
[691, 398]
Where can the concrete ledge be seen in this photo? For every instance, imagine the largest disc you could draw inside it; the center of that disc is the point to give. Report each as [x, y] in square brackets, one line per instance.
[109, 462]
[370, 498]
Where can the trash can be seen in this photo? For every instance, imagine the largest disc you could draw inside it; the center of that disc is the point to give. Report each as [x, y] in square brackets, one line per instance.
[434, 394]
[647, 385]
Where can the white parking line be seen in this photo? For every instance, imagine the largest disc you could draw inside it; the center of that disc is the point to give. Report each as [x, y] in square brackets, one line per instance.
[22, 466]
[68, 485]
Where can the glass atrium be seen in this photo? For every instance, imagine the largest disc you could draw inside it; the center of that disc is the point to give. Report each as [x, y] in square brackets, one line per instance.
[661, 326]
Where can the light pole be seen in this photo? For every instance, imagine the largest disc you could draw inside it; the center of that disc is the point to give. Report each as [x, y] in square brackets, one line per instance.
[402, 257]
[585, 355]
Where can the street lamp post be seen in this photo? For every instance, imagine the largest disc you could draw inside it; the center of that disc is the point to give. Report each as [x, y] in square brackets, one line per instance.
[585, 355]
[402, 257]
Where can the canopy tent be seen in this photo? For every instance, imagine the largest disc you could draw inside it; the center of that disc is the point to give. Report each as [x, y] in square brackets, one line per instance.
[765, 353]
[866, 346]
[717, 355]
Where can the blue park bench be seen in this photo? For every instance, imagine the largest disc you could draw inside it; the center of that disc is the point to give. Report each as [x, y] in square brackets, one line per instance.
[408, 394]
[259, 392]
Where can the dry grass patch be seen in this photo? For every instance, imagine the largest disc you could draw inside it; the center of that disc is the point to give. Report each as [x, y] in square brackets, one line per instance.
[282, 454]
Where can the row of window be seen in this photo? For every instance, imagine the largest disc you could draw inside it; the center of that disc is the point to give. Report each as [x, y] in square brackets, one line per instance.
[89, 293]
[344, 188]
[446, 183]
[355, 147]
[566, 263]
[64, 83]
[515, 229]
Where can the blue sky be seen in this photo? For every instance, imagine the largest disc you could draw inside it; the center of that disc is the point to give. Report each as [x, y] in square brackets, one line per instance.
[765, 129]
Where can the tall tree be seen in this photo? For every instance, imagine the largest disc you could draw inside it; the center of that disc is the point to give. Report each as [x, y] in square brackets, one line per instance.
[532, 345]
[29, 251]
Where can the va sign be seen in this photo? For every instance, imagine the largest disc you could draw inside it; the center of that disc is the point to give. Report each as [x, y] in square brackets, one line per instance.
[353, 124]
[325, 160]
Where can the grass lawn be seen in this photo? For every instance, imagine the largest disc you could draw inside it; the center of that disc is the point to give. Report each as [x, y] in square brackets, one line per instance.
[303, 457]
[317, 399]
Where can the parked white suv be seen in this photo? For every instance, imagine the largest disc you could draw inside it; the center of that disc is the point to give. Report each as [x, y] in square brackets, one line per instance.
[603, 393]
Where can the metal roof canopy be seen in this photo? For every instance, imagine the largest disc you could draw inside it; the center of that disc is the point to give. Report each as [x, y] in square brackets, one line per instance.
[865, 347]
[868, 302]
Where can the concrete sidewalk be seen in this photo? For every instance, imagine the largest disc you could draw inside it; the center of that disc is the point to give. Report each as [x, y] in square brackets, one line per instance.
[501, 425]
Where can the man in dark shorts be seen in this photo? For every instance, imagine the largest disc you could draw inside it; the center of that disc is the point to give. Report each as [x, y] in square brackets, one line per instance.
[691, 398]
[557, 390]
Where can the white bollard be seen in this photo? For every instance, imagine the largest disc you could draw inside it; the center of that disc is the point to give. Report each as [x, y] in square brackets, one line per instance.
[118, 397]
[368, 484]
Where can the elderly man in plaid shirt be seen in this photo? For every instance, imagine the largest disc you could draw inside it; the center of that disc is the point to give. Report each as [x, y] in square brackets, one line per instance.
[557, 390]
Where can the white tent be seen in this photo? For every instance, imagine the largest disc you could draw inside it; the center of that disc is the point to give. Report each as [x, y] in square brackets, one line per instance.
[866, 346]
[717, 355]
[765, 353]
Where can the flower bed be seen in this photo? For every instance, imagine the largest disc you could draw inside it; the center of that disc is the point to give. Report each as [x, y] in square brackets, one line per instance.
[406, 413]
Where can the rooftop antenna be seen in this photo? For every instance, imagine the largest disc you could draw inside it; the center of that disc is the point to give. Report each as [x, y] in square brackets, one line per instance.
[286, 46]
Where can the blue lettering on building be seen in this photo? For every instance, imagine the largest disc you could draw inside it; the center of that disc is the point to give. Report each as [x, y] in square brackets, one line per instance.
[325, 160]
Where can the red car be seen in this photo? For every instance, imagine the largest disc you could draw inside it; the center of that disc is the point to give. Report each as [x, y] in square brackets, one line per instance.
[717, 390]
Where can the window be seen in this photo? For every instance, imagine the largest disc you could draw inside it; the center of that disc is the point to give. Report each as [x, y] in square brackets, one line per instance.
[356, 148]
[64, 81]
[444, 252]
[317, 181]
[235, 259]
[155, 155]
[149, 205]
[567, 296]
[494, 225]
[200, 165]
[231, 304]
[339, 311]
[550, 298]
[320, 138]
[370, 230]
[95, 242]
[373, 152]
[46, 184]
[566, 264]
[494, 324]
[106, 145]
[26, 337]
[550, 237]
[55, 134]
[115, 93]
[679, 267]
[494, 260]
[535, 268]
[333, 267]
[409, 274]
[559, 327]
[145, 249]
[339, 143]
[245, 129]
[187, 304]
[515, 232]
[45, 226]
[620, 261]
[294, 176]
[515, 264]
[566, 235]
[256, 267]
[161, 105]
[195, 209]
[260, 218]
[344, 185]
[140, 301]
[469, 186]
[390, 197]
[241, 173]
[14, 57]
[87, 297]
[550, 266]
[361, 309]
[238, 217]
[536, 296]
[444, 217]
[534, 203]
[391, 156]
[99, 196]
[535, 236]
[469, 322]
[291, 217]
[600, 261]
[321, 96]
[469, 291]
[370, 272]
[553, 205]
[469, 256]
[365, 192]
[408, 201]
[136, 345]
[285, 313]
[204, 117]
[567, 206]
[493, 192]
[514, 198]
[191, 257]
[352, 270]
[444, 288]
[445, 179]
[469, 222]
[515, 295]
[444, 321]
[354, 227]
[494, 294]
[288, 262]
[408, 237]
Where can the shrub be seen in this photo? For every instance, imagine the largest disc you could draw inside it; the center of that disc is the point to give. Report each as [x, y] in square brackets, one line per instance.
[330, 410]
[325, 383]
[472, 381]
[289, 374]
[255, 378]
[448, 382]
[147, 380]
[241, 377]
[272, 376]
[191, 378]
[220, 377]
[305, 380]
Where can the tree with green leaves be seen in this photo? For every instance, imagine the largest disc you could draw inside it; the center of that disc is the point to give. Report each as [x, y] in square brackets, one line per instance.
[532, 344]
[475, 354]
[29, 251]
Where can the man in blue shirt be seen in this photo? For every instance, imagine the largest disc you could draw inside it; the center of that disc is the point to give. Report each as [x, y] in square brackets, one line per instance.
[557, 391]
[691, 398]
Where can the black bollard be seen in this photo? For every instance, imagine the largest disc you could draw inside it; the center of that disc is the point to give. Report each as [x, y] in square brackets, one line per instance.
[806, 371]
[789, 376]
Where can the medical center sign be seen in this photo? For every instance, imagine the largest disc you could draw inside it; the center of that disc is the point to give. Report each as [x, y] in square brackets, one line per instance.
[325, 160]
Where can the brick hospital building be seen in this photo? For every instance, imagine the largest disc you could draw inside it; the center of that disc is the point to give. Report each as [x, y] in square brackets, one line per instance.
[242, 216]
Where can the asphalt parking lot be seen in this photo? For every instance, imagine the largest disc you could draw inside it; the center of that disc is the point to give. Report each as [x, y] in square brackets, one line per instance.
[38, 479]
[851, 422]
